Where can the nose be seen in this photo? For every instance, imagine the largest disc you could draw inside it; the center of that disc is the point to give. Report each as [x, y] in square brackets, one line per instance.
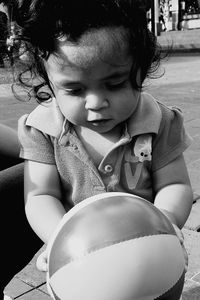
[96, 101]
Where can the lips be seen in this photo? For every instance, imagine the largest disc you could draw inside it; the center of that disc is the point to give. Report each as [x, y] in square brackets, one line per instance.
[97, 122]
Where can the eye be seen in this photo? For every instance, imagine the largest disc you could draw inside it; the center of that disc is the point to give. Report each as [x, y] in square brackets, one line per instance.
[75, 92]
[117, 85]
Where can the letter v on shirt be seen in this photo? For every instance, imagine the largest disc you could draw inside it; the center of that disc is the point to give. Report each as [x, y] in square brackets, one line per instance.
[142, 152]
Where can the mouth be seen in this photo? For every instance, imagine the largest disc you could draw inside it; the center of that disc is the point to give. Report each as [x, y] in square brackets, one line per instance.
[99, 122]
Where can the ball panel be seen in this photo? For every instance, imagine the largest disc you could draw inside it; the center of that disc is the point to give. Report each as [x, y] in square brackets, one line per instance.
[175, 292]
[112, 272]
[52, 293]
[103, 223]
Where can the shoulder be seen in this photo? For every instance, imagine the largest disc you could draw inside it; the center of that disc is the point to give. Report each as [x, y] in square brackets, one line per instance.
[46, 118]
[35, 144]
[172, 139]
[152, 116]
[172, 118]
[147, 116]
[172, 125]
[29, 135]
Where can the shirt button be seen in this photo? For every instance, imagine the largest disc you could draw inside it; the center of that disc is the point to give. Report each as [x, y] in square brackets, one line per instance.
[108, 168]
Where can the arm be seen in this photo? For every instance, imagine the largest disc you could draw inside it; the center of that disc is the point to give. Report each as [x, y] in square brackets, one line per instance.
[43, 207]
[173, 191]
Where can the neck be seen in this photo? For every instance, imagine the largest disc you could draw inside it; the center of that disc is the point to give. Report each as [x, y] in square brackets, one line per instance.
[112, 136]
[96, 144]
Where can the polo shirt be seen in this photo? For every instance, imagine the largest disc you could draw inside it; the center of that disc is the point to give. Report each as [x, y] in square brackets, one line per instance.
[153, 137]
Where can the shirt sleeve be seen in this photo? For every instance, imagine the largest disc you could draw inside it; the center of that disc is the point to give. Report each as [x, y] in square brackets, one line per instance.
[172, 140]
[35, 145]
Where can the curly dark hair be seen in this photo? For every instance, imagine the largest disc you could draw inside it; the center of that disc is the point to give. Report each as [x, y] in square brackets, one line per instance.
[42, 22]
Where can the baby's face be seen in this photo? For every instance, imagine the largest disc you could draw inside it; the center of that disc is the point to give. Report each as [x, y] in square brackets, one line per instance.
[91, 80]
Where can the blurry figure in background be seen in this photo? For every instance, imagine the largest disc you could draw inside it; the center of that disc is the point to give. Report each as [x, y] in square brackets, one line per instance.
[162, 15]
[165, 14]
[12, 42]
[3, 37]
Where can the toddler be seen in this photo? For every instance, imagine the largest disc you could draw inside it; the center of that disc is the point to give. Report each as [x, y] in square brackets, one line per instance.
[95, 130]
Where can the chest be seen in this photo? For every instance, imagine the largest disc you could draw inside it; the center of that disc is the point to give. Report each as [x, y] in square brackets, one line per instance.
[96, 145]
[97, 148]
[118, 170]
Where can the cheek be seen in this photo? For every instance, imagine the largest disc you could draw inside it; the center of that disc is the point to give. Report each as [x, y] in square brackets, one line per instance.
[127, 102]
[71, 108]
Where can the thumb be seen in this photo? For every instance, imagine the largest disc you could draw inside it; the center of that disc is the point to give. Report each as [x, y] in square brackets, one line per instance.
[41, 262]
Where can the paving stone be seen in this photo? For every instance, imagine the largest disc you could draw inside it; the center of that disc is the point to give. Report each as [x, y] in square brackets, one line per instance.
[191, 291]
[43, 288]
[193, 221]
[192, 245]
[195, 179]
[30, 274]
[28, 279]
[16, 287]
[196, 278]
[196, 197]
[191, 154]
[195, 165]
[34, 295]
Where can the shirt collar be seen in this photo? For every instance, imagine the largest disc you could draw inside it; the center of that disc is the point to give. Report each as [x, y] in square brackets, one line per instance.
[48, 118]
[146, 118]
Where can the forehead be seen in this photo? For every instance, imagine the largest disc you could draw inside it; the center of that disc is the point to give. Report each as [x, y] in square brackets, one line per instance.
[108, 45]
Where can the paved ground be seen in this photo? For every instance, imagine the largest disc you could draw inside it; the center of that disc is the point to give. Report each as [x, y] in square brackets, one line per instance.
[179, 86]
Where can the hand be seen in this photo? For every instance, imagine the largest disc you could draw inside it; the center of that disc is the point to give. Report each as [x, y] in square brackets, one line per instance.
[181, 239]
[179, 234]
[41, 262]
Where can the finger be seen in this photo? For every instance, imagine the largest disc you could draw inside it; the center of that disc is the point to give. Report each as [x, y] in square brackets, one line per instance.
[41, 263]
[179, 234]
